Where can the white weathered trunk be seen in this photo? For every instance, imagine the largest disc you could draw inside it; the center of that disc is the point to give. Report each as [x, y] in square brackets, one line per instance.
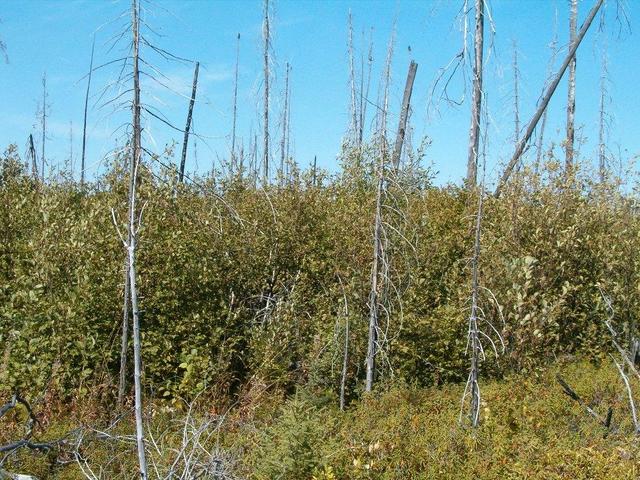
[476, 99]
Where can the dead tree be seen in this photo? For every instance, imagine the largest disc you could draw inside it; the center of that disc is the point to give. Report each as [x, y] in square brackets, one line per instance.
[543, 124]
[266, 33]
[345, 351]
[285, 133]
[571, 101]
[352, 82]
[34, 157]
[235, 110]
[132, 230]
[364, 92]
[602, 151]
[404, 114]
[84, 123]
[476, 99]
[188, 126]
[516, 94]
[383, 96]
[374, 293]
[522, 144]
[43, 122]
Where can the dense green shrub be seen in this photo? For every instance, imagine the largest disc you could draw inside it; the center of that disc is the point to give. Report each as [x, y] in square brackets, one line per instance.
[244, 288]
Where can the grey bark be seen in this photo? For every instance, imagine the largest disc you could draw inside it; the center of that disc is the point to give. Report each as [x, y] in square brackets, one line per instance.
[571, 101]
[235, 110]
[136, 149]
[285, 133]
[404, 114]
[44, 121]
[84, 124]
[545, 99]
[602, 156]
[34, 158]
[266, 34]
[476, 100]
[185, 142]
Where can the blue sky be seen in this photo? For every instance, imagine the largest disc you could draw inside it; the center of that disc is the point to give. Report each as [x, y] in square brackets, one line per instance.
[55, 37]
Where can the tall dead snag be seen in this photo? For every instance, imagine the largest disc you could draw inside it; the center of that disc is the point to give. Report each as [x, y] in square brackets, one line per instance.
[188, 126]
[84, 124]
[571, 100]
[404, 114]
[543, 124]
[266, 33]
[34, 157]
[234, 165]
[522, 144]
[602, 149]
[364, 92]
[352, 81]
[136, 149]
[43, 121]
[476, 99]
[473, 338]
[285, 123]
[516, 94]
[374, 293]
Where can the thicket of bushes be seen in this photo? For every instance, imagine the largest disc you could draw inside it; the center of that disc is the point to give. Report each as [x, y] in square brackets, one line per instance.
[530, 429]
[244, 289]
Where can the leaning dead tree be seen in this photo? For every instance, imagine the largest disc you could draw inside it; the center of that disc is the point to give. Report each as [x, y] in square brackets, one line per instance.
[404, 114]
[522, 144]
[571, 100]
[84, 123]
[185, 142]
[476, 96]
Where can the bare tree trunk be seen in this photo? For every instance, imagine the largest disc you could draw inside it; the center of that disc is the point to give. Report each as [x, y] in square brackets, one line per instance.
[84, 124]
[364, 98]
[476, 100]
[287, 156]
[71, 148]
[474, 333]
[188, 126]
[315, 163]
[540, 140]
[131, 247]
[235, 110]
[44, 120]
[283, 140]
[266, 33]
[34, 159]
[602, 152]
[545, 99]
[516, 95]
[404, 114]
[571, 101]
[352, 82]
[372, 346]
[384, 109]
[124, 339]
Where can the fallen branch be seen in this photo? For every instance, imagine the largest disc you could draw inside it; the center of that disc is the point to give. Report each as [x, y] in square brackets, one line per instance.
[604, 421]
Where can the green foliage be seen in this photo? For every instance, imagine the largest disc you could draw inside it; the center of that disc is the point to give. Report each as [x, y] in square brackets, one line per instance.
[243, 288]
